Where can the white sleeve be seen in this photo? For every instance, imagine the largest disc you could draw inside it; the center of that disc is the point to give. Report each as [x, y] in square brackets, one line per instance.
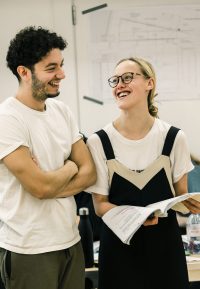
[13, 134]
[95, 146]
[75, 134]
[180, 157]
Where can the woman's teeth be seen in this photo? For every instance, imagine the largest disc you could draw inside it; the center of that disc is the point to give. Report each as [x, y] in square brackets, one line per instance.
[122, 94]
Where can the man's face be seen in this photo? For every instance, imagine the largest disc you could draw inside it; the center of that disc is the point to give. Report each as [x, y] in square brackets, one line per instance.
[47, 75]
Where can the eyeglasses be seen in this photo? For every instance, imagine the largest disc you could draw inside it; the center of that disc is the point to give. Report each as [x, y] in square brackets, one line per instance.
[126, 77]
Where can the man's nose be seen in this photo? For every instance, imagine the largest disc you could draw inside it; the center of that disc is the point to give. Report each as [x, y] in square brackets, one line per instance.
[60, 74]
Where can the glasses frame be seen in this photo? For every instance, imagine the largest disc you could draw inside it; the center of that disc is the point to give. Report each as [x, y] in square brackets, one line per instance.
[122, 78]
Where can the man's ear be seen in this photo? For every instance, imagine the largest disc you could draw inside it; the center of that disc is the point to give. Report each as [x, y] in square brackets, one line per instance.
[24, 72]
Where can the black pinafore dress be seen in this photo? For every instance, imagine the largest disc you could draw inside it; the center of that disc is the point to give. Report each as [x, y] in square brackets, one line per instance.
[155, 259]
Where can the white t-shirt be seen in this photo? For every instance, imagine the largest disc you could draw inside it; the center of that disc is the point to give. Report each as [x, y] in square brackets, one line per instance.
[139, 154]
[29, 225]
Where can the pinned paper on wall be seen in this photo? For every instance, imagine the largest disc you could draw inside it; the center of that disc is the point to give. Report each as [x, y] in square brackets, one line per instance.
[166, 35]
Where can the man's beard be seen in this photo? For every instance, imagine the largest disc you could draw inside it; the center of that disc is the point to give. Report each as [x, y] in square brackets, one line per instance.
[39, 89]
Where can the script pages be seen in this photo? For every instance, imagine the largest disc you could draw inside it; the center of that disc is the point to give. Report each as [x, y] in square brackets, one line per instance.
[125, 220]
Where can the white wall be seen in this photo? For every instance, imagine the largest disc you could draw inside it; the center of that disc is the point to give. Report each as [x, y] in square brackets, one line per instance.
[56, 15]
[183, 113]
[51, 14]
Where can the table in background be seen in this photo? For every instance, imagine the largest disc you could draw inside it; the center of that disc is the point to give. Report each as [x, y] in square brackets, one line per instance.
[193, 268]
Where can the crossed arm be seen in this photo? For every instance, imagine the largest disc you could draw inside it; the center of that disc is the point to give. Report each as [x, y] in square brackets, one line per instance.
[76, 174]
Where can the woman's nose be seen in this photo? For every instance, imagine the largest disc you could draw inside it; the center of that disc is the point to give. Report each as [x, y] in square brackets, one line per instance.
[120, 82]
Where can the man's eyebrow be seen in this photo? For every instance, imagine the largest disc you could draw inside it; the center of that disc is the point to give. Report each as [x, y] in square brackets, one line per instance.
[54, 64]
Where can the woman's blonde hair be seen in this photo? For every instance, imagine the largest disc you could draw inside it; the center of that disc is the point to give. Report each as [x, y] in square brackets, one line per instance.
[148, 72]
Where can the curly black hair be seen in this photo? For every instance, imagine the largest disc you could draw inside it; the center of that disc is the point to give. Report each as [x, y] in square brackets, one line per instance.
[30, 45]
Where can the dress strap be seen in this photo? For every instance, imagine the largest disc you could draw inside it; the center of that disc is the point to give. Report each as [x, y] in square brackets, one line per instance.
[107, 147]
[169, 140]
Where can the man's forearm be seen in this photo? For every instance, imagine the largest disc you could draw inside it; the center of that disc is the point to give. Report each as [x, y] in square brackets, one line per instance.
[39, 183]
[82, 180]
[54, 182]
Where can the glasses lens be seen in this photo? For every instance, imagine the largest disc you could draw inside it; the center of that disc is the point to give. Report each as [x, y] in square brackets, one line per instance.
[127, 77]
[113, 81]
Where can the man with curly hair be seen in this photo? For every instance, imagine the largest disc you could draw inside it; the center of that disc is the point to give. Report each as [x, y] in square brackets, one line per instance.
[44, 162]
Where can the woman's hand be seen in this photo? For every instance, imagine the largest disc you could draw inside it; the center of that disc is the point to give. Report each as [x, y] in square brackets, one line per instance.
[151, 221]
[192, 205]
[181, 189]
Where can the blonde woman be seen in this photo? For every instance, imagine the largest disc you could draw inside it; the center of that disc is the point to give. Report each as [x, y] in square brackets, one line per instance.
[140, 159]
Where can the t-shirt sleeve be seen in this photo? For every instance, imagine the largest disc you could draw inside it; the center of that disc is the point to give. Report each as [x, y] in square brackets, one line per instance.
[75, 133]
[180, 157]
[13, 134]
[101, 186]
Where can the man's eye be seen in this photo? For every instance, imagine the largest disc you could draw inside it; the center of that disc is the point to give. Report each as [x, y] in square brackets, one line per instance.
[51, 69]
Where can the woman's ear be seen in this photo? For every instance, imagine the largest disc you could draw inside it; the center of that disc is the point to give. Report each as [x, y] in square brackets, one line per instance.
[24, 72]
[150, 83]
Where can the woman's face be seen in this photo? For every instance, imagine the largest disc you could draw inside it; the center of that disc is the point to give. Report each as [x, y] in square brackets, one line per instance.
[133, 94]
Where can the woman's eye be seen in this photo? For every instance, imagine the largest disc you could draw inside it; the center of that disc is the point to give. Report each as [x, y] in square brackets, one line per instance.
[127, 78]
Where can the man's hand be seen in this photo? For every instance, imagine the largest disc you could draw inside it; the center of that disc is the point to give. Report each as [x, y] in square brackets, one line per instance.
[72, 165]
